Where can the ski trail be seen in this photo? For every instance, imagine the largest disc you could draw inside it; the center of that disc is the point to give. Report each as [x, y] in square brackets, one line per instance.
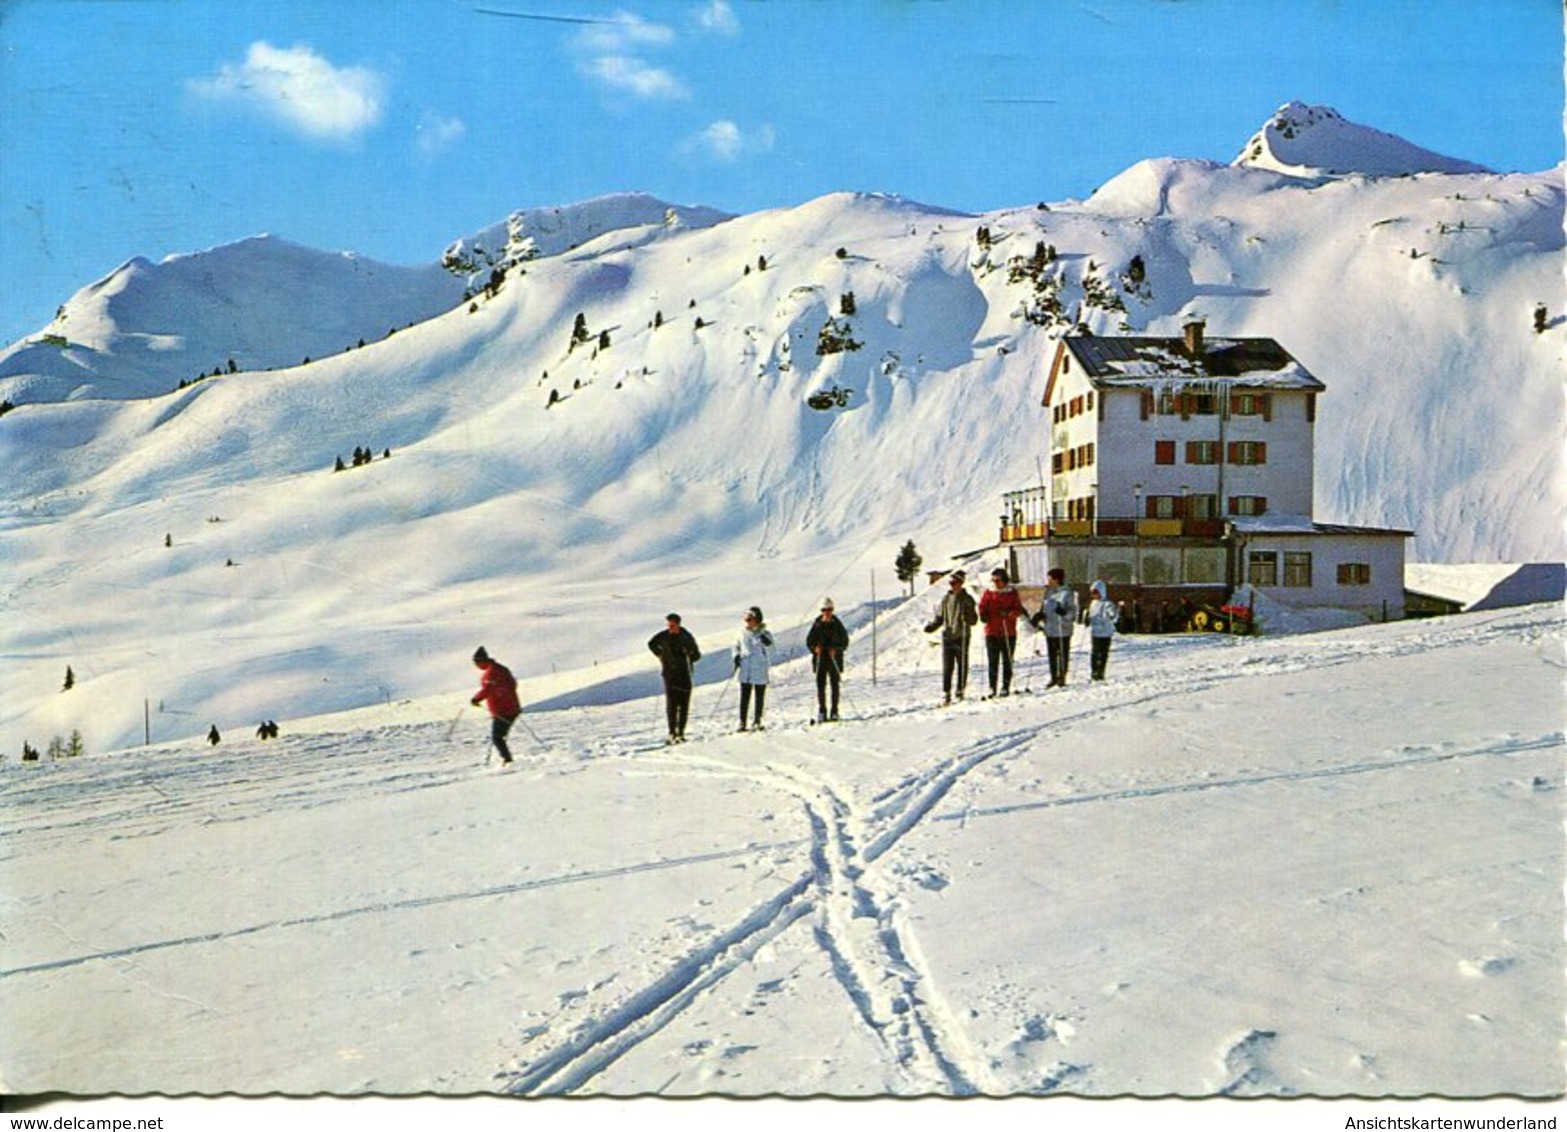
[569, 1066]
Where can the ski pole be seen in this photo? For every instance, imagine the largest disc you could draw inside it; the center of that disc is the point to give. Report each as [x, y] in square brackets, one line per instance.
[452, 730]
[526, 726]
[722, 693]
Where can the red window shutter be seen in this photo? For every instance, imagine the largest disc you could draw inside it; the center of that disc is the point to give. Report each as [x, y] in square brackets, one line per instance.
[1233, 456]
[1164, 452]
[1147, 403]
[1152, 506]
[1267, 406]
[1235, 505]
[1262, 505]
[1262, 451]
[1235, 404]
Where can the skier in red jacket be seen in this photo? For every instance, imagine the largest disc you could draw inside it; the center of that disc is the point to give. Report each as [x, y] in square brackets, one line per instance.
[999, 609]
[497, 689]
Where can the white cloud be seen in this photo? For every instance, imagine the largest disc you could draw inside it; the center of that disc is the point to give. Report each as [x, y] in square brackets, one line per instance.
[635, 76]
[725, 141]
[718, 17]
[610, 52]
[623, 32]
[300, 88]
[437, 133]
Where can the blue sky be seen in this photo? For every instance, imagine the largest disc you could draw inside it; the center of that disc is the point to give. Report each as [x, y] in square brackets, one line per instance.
[392, 127]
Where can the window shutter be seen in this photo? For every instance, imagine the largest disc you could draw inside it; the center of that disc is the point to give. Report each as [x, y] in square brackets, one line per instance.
[1262, 505]
[1262, 451]
[1311, 407]
[1233, 455]
[1267, 406]
[1186, 406]
[1147, 403]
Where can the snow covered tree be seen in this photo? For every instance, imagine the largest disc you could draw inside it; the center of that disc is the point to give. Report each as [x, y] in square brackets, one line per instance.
[907, 565]
[836, 337]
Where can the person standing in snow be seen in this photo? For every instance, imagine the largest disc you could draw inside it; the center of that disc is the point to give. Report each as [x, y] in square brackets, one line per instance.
[999, 609]
[677, 652]
[955, 617]
[752, 653]
[497, 691]
[213, 737]
[1102, 616]
[1056, 618]
[827, 640]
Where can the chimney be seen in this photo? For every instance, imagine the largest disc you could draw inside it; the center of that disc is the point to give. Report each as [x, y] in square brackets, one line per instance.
[1193, 331]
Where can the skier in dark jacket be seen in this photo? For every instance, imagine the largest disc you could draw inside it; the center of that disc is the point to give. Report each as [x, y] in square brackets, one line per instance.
[827, 641]
[498, 691]
[956, 618]
[677, 652]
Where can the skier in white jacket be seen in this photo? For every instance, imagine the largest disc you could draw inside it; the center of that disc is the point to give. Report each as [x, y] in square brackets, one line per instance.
[1055, 619]
[1102, 617]
[752, 653]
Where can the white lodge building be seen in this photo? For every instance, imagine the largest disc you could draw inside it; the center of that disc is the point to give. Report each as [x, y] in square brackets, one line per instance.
[1181, 469]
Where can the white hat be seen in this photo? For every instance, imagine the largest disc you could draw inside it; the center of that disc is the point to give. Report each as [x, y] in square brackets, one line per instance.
[827, 603]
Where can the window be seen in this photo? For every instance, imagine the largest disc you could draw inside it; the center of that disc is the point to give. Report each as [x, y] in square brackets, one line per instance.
[1297, 568]
[1088, 454]
[1202, 451]
[1263, 568]
[1057, 462]
[1202, 506]
[1164, 452]
[1248, 452]
[1204, 404]
[1251, 405]
[1167, 404]
[1090, 402]
[1248, 504]
[1354, 573]
[1164, 506]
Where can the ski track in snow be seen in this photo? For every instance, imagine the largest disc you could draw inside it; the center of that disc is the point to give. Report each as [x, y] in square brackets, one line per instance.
[854, 912]
[853, 907]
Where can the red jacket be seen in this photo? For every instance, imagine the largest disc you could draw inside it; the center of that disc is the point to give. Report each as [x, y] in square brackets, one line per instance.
[499, 687]
[999, 610]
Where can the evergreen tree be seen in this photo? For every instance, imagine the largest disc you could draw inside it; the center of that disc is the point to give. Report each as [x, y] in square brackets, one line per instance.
[74, 748]
[70, 679]
[846, 303]
[907, 565]
[579, 330]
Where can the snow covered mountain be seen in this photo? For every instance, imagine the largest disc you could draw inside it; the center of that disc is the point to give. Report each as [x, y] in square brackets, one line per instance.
[625, 425]
[1316, 141]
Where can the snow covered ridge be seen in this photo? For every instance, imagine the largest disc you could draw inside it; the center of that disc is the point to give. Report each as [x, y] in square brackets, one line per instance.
[1314, 141]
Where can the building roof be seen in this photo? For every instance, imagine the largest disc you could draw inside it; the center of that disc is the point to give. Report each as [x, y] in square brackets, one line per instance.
[1280, 524]
[1127, 361]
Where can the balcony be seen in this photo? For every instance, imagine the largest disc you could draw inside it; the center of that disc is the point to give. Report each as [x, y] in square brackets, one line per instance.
[1112, 528]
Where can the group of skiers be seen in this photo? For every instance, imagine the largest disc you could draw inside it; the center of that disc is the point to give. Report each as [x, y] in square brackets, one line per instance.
[999, 608]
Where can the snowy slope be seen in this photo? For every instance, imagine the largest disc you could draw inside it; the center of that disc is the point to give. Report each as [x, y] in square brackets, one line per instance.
[1128, 888]
[680, 465]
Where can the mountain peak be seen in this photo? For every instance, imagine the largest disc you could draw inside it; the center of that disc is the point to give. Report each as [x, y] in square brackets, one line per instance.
[1316, 141]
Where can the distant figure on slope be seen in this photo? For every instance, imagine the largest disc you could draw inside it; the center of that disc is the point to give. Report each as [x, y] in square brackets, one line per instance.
[213, 737]
[827, 640]
[956, 618]
[677, 653]
[1056, 617]
[497, 691]
[1102, 616]
[999, 609]
[753, 652]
